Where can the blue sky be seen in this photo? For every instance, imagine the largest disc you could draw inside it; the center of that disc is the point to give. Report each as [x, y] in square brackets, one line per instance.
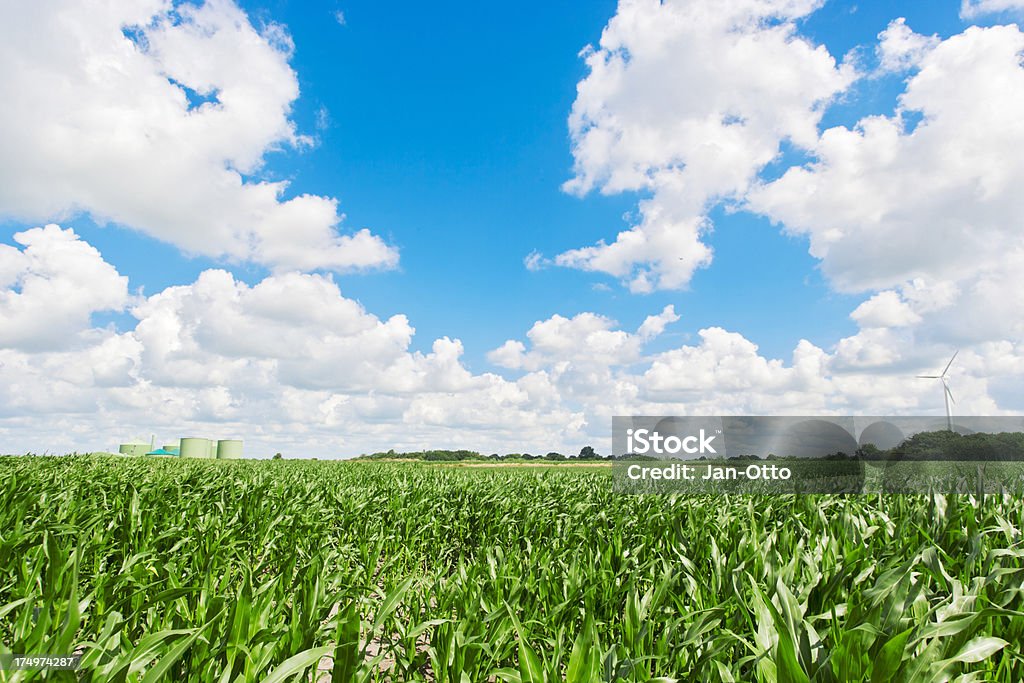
[447, 133]
[444, 130]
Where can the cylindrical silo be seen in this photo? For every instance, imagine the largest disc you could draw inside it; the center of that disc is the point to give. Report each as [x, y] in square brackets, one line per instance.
[134, 448]
[195, 447]
[229, 449]
[172, 446]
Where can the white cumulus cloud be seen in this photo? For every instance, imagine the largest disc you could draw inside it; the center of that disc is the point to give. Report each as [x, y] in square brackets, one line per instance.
[917, 212]
[289, 363]
[687, 100]
[50, 287]
[160, 118]
[900, 48]
[924, 218]
[974, 8]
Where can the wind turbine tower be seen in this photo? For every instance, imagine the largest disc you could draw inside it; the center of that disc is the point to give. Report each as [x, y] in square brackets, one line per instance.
[946, 393]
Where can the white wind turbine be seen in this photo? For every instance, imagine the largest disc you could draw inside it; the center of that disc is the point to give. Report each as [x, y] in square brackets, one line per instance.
[946, 393]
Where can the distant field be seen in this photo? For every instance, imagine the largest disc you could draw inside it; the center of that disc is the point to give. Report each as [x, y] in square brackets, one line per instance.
[525, 464]
[300, 570]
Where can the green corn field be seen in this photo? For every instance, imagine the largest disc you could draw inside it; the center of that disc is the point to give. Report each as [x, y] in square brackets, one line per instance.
[169, 570]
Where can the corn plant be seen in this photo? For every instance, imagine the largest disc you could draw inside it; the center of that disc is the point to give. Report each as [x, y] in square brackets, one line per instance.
[227, 571]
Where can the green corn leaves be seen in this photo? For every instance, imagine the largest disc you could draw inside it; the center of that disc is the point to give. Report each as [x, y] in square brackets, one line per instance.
[585, 660]
[230, 572]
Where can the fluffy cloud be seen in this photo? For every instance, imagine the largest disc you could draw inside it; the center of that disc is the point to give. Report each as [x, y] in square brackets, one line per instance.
[297, 327]
[871, 372]
[917, 210]
[159, 118]
[973, 8]
[885, 309]
[654, 325]
[899, 48]
[925, 217]
[886, 203]
[292, 365]
[585, 339]
[287, 362]
[919, 219]
[687, 101]
[51, 287]
[726, 374]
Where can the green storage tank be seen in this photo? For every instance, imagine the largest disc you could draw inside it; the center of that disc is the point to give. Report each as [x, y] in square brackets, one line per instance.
[195, 447]
[229, 449]
[172, 446]
[134, 448]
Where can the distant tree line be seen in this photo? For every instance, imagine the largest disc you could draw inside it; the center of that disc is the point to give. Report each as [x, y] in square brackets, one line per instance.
[431, 455]
[586, 453]
[947, 445]
[938, 445]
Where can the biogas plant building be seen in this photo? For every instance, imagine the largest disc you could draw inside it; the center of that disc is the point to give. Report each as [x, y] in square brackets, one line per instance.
[189, 447]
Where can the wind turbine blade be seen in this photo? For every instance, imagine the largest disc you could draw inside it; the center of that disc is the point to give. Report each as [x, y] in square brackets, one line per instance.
[949, 363]
[927, 376]
[949, 393]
